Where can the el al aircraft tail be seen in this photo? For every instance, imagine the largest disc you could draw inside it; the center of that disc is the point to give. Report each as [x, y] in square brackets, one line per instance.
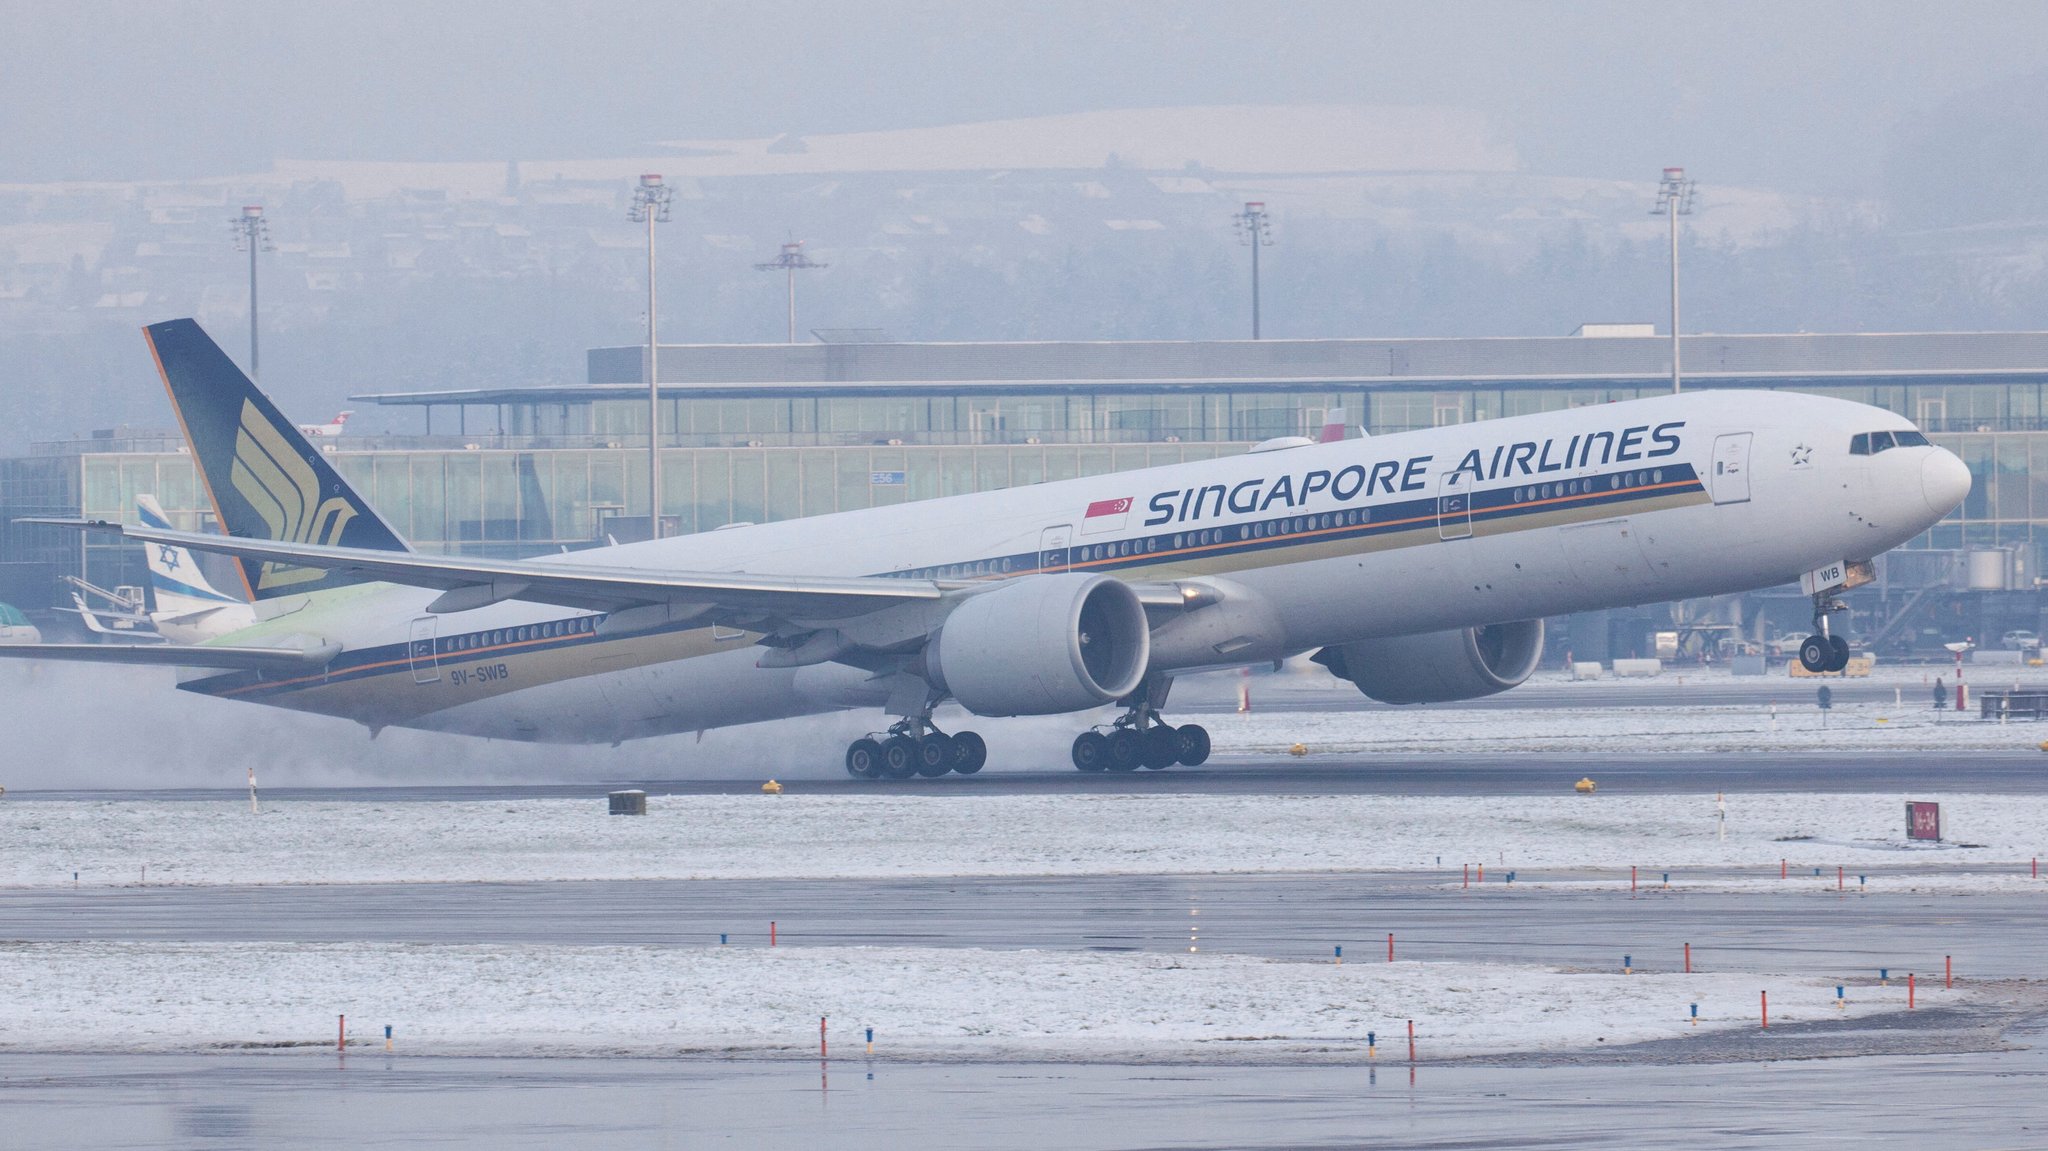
[175, 576]
[265, 480]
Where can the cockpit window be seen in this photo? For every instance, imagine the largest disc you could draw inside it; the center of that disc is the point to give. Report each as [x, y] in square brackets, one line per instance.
[1871, 443]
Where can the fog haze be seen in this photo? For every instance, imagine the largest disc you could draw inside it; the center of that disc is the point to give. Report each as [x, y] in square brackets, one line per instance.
[1801, 96]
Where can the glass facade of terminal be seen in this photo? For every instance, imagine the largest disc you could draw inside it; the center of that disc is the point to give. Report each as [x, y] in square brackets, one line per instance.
[522, 491]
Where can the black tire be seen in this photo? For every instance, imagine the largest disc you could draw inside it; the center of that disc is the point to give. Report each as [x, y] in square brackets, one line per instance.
[1091, 751]
[899, 757]
[969, 752]
[1161, 747]
[864, 759]
[1841, 653]
[934, 755]
[1194, 744]
[1816, 653]
[1126, 750]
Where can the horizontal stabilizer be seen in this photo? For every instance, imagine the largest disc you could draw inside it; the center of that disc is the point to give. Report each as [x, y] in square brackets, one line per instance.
[178, 655]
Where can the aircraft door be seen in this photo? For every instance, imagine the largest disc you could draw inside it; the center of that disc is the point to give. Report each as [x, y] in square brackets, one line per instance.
[420, 649]
[1730, 481]
[1454, 505]
[1053, 550]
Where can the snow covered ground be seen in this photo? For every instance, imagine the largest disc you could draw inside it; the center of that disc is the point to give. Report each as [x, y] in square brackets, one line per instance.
[925, 1003]
[1743, 728]
[113, 841]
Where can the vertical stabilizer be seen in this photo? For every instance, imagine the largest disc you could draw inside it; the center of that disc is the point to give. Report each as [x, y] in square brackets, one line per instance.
[265, 480]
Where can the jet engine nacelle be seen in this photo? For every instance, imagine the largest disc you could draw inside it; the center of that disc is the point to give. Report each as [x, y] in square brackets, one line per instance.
[1041, 645]
[1441, 665]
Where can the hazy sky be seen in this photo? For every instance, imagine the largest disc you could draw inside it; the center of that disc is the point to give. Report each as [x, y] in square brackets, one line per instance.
[1803, 96]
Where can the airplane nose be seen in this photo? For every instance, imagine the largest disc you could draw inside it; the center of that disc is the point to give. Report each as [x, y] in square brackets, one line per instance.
[1944, 481]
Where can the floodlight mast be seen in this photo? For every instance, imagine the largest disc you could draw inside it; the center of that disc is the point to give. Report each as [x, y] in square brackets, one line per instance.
[1674, 199]
[1254, 228]
[650, 206]
[791, 261]
[252, 234]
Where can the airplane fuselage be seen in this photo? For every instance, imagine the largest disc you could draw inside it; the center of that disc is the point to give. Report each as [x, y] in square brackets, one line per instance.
[1510, 519]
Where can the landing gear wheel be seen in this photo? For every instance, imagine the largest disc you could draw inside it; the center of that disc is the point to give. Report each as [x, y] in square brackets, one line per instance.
[1126, 749]
[1816, 654]
[1839, 652]
[934, 755]
[1159, 747]
[899, 757]
[864, 759]
[1194, 744]
[1091, 751]
[969, 752]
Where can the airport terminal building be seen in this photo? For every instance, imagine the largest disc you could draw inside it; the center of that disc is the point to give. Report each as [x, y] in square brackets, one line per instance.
[759, 432]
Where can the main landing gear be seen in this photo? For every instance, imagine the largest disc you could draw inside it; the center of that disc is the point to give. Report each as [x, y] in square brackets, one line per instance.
[912, 746]
[1825, 651]
[1139, 738]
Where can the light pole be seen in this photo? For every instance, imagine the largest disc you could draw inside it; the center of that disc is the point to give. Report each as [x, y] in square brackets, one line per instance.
[1674, 198]
[1254, 228]
[792, 260]
[650, 206]
[252, 234]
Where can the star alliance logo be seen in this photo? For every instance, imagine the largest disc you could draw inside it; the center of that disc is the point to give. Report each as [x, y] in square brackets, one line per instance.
[1802, 455]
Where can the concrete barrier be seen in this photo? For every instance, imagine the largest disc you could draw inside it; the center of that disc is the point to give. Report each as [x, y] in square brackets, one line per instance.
[1638, 667]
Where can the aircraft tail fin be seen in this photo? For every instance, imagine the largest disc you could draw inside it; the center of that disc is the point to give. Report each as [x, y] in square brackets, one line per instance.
[175, 575]
[265, 480]
[1333, 427]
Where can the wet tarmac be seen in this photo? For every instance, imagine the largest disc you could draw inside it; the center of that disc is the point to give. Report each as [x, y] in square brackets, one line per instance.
[1652, 772]
[1988, 1099]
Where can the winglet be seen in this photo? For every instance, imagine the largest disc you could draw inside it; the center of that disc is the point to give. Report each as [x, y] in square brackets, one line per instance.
[265, 480]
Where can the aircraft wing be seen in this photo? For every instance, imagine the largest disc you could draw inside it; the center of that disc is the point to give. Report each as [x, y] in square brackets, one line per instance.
[177, 655]
[471, 583]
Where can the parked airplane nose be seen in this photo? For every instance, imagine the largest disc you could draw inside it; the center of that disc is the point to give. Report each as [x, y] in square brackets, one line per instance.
[1944, 481]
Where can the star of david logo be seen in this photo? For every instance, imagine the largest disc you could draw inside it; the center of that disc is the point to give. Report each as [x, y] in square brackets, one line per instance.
[167, 556]
[1802, 455]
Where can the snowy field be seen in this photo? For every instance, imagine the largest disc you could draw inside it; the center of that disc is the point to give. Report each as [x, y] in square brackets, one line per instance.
[794, 835]
[922, 1003]
[1793, 727]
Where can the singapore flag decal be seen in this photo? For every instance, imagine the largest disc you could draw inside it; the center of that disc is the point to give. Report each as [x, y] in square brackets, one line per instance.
[1106, 516]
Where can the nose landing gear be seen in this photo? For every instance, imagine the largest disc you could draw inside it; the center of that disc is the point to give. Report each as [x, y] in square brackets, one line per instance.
[1825, 651]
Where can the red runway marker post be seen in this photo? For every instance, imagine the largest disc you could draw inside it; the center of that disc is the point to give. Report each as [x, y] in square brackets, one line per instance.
[1781, 869]
[1688, 959]
[1390, 947]
[771, 933]
[1948, 971]
[1909, 990]
[821, 1037]
[1631, 880]
[1764, 1003]
[1411, 1041]
[341, 1033]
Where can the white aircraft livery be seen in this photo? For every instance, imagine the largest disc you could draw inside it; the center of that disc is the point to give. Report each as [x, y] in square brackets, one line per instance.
[1417, 565]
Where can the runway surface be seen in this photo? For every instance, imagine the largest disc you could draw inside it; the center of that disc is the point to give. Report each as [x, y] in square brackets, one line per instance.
[1392, 775]
[1806, 930]
[1960, 1101]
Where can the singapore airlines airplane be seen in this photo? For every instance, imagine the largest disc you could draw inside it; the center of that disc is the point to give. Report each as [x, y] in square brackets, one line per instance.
[1417, 565]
